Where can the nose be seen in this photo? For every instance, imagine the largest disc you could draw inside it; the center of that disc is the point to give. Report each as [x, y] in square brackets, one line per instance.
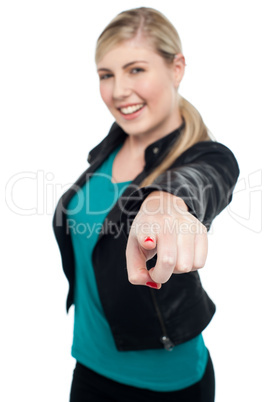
[121, 88]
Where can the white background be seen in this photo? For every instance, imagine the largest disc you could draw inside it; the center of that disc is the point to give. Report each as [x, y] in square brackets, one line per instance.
[52, 115]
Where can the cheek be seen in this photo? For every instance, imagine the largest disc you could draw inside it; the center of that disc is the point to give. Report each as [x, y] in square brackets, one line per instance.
[155, 91]
[105, 94]
[148, 89]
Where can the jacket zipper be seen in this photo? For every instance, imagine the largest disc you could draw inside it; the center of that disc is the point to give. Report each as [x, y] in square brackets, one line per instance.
[167, 343]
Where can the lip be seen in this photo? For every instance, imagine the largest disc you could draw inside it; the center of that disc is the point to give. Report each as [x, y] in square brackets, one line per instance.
[132, 115]
[130, 104]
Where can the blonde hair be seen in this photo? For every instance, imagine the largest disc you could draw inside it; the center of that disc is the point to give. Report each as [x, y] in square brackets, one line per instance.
[155, 28]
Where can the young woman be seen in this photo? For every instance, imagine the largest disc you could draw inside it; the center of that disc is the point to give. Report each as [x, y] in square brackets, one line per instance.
[132, 230]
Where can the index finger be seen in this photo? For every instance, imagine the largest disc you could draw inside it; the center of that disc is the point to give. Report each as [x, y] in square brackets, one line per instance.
[136, 262]
[166, 257]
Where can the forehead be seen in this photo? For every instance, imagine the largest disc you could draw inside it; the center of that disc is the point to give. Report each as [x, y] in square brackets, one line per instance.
[124, 52]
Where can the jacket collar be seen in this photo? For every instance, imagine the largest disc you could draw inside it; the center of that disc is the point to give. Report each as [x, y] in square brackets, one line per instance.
[154, 153]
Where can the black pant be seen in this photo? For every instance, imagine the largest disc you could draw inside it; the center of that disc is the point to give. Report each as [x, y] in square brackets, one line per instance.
[88, 386]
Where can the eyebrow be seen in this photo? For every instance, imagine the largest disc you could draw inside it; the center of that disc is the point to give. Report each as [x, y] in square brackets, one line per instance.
[125, 66]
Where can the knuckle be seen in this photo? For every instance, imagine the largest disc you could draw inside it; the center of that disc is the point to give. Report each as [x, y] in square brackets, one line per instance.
[133, 279]
[159, 277]
[199, 264]
[168, 260]
[184, 268]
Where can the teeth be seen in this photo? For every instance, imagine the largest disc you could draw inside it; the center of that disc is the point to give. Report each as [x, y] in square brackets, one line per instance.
[131, 109]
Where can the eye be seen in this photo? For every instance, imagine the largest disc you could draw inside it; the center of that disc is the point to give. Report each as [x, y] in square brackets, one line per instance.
[137, 70]
[105, 76]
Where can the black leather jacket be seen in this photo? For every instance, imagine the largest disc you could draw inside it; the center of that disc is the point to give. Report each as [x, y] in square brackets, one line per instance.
[140, 317]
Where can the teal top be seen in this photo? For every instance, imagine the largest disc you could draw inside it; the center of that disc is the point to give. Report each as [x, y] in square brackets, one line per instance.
[93, 344]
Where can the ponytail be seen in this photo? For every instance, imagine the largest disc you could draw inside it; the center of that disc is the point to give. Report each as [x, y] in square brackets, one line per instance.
[194, 131]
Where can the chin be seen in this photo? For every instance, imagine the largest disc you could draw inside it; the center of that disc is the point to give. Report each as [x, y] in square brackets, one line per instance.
[134, 128]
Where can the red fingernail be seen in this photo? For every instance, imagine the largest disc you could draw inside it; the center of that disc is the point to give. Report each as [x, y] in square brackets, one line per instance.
[152, 285]
[149, 239]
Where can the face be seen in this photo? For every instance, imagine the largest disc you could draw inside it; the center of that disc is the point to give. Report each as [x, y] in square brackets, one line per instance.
[140, 89]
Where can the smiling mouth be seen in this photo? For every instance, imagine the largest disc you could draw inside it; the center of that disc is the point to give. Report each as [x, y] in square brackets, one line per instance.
[131, 109]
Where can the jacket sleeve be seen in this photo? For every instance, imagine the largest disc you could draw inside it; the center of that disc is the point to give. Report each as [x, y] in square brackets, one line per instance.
[204, 176]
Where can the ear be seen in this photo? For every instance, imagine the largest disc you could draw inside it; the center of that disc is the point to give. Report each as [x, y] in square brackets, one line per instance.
[178, 68]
